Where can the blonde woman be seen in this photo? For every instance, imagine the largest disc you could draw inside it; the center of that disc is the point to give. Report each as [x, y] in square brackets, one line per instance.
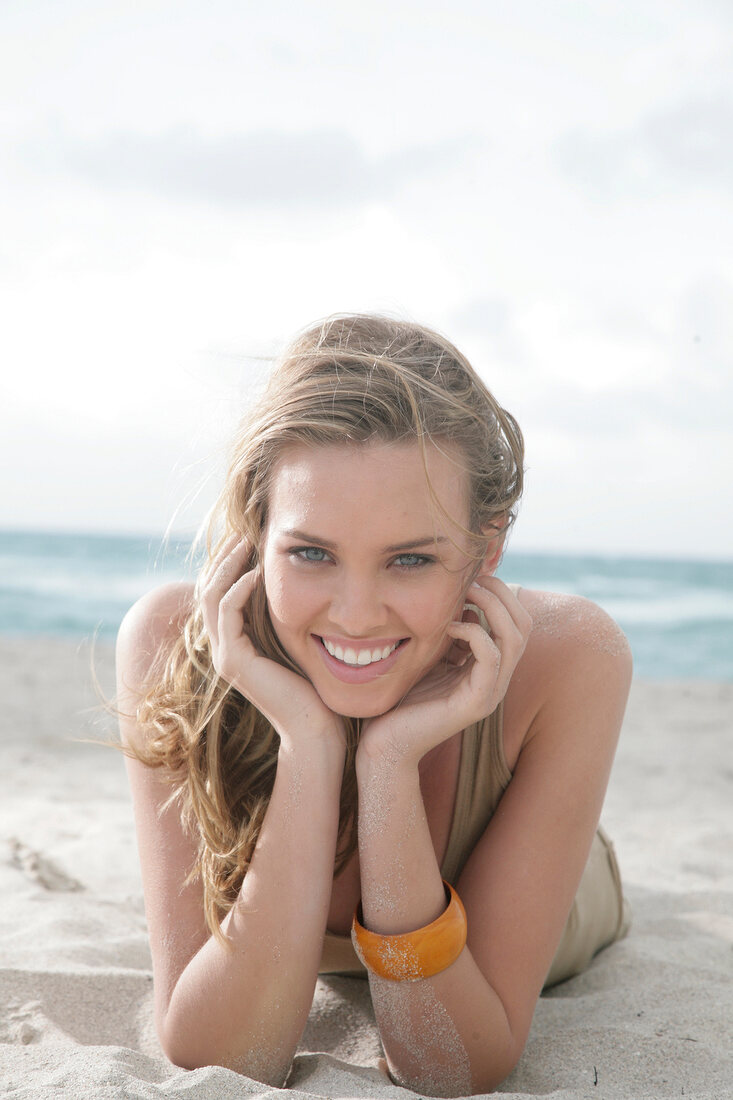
[352, 748]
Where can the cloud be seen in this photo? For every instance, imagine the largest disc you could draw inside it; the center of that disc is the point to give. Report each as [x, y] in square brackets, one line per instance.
[683, 144]
[612, 371]
[681, 407]
[263, 169]
[694, 141]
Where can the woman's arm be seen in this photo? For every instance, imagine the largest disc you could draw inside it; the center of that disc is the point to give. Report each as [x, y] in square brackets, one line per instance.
[464, 1029]
[243, 1008]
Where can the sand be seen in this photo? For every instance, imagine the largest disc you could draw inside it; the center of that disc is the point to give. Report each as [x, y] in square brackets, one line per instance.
[652, 1017]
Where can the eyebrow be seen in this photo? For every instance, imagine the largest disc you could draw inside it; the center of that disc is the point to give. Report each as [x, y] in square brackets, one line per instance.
[412, 544]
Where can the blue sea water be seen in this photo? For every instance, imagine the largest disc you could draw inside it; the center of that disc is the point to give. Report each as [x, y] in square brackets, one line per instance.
[678, 615]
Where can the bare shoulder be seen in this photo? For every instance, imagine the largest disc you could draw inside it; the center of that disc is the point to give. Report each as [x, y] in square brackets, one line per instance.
[155, 619]
[567, 625]
[148, 631]
[576, 659]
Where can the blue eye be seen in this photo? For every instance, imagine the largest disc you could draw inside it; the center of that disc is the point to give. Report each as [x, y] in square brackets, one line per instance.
[310, 553]
[412, 561]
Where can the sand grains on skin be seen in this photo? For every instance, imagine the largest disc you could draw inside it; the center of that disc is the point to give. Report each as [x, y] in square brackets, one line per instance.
[561, 615]
[373, 814]
[434, 1041]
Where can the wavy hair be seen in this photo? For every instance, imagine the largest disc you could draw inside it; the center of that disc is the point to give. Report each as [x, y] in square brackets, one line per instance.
[349, 379]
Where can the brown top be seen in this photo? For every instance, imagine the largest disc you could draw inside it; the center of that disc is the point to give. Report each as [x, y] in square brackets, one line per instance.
[483, 776]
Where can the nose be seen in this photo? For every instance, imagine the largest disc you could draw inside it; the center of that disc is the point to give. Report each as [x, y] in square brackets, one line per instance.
[357, 606]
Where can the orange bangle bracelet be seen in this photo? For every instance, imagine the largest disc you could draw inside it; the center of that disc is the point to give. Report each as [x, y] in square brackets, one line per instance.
[409, 956]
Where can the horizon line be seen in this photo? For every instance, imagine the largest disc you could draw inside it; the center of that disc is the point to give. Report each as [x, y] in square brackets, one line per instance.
[188, 534]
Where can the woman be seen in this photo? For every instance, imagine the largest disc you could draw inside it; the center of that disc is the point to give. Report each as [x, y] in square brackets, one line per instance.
[349, 645]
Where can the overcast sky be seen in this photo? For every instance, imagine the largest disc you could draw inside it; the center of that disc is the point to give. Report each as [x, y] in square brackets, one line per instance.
[549, 182]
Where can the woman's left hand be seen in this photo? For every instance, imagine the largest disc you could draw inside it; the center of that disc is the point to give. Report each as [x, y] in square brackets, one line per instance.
[464, 686]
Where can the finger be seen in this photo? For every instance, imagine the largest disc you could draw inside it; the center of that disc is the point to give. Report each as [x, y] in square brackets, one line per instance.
[234, 643]
[224, 550]
[507, 621]
[507, 595]
[231, 607]
[475, 639]
[233, 566]
[228, 568]
[502, 608]
[486, 665]
[458, 653]
[461, 650]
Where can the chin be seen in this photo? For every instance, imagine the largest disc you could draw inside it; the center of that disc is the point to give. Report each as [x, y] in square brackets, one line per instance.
[366, 712]
[350, 707]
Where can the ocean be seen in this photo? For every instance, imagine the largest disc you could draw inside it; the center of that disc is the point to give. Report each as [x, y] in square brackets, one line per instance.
[678, 615]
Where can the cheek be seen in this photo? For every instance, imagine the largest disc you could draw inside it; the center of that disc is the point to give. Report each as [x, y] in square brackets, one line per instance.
[445, 610]
[430, 616]
[286, 597]
[452, 599]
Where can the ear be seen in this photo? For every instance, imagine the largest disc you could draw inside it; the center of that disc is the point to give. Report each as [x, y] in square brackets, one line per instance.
[496, 535]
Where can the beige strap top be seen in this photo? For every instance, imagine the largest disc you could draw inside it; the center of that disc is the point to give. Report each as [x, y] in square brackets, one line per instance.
[483, 776]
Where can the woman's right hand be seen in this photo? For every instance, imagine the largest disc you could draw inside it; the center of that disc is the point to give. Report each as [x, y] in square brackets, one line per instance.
[288, 701]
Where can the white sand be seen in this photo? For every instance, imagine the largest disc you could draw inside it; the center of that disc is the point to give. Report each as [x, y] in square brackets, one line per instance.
[653, 1017]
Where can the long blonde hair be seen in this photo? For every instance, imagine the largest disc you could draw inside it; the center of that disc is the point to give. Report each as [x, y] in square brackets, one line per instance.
[349, 379]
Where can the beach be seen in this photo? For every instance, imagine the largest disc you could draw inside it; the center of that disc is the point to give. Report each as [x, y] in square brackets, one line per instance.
[652, 1017]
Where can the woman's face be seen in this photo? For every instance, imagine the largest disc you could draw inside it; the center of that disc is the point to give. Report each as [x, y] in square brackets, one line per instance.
[362, 571]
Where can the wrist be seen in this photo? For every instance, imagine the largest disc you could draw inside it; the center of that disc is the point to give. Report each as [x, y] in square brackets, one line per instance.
[324, 746]
[380, 766]
[374, 755]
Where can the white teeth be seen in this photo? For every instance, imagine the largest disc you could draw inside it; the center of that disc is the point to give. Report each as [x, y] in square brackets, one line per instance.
[361, 657]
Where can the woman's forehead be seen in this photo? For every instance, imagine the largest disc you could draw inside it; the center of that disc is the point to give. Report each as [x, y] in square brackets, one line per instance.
[376, 483]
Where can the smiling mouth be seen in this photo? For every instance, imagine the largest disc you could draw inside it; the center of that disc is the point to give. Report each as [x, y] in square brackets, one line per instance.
[360, 658]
